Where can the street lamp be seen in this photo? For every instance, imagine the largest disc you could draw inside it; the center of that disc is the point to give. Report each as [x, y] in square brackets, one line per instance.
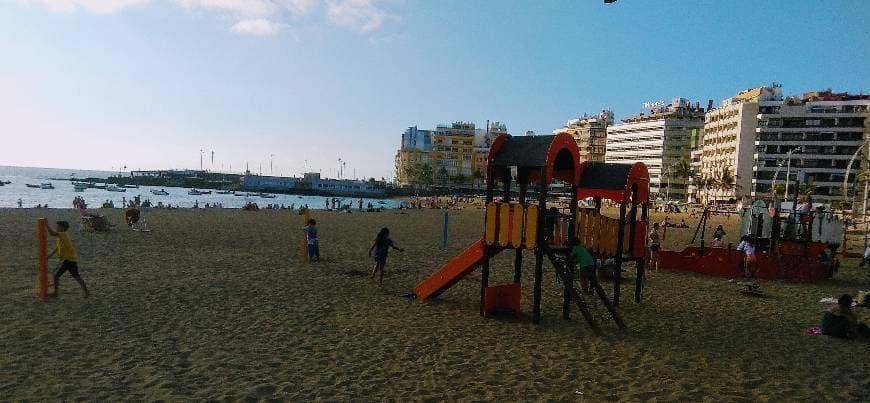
[788, 170]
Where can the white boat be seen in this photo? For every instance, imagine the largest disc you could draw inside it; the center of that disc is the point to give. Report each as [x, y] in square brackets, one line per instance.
[160, 192]
[224, 192]
[113, 188]
[196, 192]
[266, 196]
[46, 186]
[131, 186]
[100, 186]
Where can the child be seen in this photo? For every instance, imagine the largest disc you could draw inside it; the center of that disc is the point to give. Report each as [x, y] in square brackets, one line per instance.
[585, 263]
[749, 261]
[313, 241]
[841, 321]
[67, 255]
[381, 247]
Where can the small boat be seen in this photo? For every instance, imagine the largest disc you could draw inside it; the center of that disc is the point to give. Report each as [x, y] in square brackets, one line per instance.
[5, 183]
[113, 188]
[160, 192]
[267, 196]
[33, 186]
[224, 192]
[46, 186]
[131, 186]
[195, 192]
[100, 186]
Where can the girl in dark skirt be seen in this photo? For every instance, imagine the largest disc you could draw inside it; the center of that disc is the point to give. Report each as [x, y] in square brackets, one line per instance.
[379, 251]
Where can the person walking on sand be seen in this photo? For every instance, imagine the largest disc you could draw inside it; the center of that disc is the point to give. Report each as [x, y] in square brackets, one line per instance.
[654, 246]
[68, 257]
[313, 240]
[379, 251]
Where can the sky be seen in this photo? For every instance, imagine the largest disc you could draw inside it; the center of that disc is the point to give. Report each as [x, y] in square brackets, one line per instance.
[286, 86]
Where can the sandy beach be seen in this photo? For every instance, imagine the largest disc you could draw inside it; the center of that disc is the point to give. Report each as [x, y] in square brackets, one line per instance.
[215, 304]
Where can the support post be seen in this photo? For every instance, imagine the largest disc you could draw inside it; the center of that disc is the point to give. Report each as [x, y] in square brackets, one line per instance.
[522, 181]
[569, 268]
[444, 232]
[539, 251]
[620, 238]
[43, 258]
[641, 263]
[306, 216]
[484, 272]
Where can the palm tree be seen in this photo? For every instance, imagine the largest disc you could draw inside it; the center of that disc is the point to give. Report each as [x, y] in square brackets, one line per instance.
[725, 180]
[682, 170]
[477, 175]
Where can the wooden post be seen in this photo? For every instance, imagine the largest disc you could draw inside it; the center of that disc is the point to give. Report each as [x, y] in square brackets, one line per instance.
[306, 216]
[484, 274]
[620, 237]
[569, 272]
[539, 251]
[42, 246]
[523, 182]
[641, 263]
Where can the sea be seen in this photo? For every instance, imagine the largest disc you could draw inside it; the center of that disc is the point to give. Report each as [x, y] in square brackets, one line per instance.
[63, 193]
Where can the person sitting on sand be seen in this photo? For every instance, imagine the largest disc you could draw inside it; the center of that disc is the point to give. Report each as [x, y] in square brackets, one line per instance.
[840, 321]
[582, 259]
[68, 257]
[379, 250]
[718, 234]
[313, 240]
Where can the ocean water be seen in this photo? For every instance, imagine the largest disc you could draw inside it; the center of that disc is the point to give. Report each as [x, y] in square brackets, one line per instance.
[63, 193]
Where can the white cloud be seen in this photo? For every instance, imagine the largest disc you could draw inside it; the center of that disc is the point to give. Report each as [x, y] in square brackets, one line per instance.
[362, 15]
[249, 17]
[255, 27]
[94, 6]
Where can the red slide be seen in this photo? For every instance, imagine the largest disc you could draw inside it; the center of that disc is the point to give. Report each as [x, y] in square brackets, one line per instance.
[453, 271]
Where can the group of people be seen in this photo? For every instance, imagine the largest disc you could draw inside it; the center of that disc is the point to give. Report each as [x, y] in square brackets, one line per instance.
[378, 251]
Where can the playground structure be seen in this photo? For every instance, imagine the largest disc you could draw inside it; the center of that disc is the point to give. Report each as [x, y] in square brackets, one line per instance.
[523, 226]
[788, 246]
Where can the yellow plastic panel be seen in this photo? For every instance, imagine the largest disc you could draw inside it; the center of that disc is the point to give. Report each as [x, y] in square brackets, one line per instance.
[504, 222]
[531, 226]
[517, 225]
[491, 222]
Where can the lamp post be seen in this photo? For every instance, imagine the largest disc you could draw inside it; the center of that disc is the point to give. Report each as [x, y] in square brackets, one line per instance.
[788, 170]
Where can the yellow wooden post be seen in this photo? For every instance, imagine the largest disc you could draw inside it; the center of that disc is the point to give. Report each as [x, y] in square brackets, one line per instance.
[306, 216]
[531, 226]
[504, 219]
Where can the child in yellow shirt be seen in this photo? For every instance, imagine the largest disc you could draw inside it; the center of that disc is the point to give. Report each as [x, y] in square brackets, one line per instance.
[69, 259]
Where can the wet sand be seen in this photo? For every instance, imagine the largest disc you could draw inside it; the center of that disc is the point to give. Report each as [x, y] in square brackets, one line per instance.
[217, 305]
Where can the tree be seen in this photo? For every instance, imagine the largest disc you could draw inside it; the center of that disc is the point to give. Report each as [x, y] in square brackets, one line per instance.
[420, 174]
[724, 180]
[477, 176]
[442, 175]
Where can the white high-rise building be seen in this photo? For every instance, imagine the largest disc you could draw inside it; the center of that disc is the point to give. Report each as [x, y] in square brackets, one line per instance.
[823, 130]
[660, 140]
[729, 143]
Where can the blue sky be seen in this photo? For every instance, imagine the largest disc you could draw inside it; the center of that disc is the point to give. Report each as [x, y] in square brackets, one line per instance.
[98, 84]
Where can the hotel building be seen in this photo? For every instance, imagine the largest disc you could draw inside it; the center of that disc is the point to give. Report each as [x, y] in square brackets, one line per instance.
[660, 140]
[729, 142]
[590, 132]
[824, 129]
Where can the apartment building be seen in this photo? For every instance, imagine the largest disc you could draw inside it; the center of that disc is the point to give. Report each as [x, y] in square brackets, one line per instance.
[729, 142]
[590, 132]
[823, 130]
[660, 139]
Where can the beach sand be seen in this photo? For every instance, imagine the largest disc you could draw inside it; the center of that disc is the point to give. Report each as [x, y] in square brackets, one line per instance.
[216, 305]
